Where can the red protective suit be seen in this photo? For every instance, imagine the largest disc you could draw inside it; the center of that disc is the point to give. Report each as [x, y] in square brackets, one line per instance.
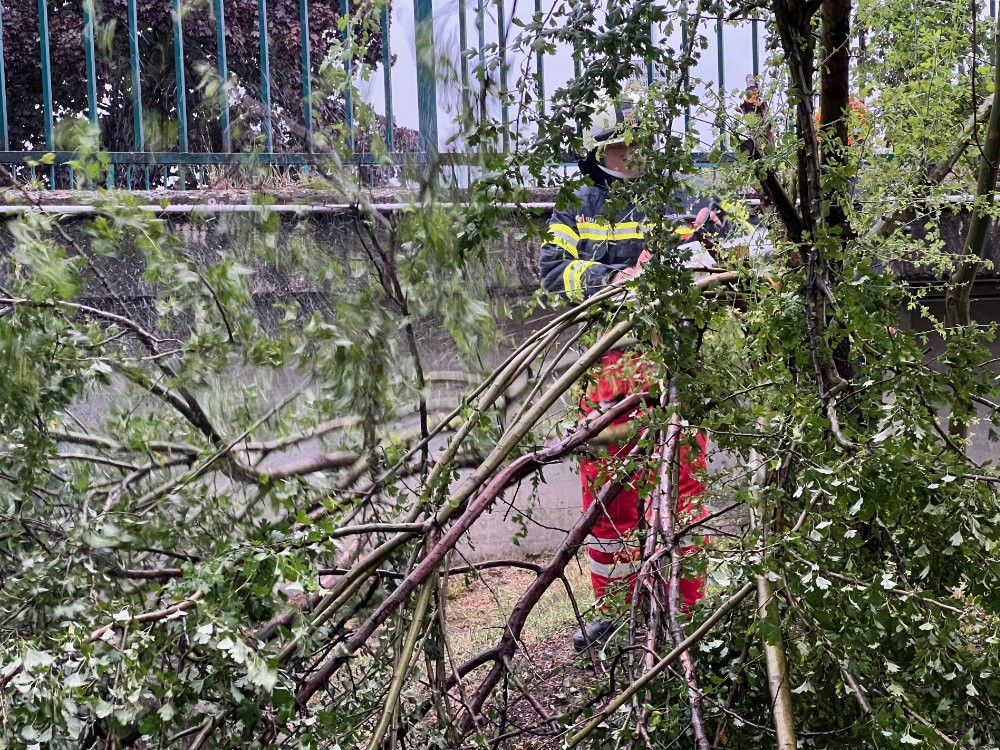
[612, 547]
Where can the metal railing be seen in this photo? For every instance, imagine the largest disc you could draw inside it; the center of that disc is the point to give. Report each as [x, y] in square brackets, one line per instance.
[148, 163]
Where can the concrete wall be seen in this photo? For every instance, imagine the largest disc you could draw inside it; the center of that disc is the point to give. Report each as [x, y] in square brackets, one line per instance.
[512, 275]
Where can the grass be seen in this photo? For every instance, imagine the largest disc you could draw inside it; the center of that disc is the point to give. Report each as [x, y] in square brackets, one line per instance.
[479, 606]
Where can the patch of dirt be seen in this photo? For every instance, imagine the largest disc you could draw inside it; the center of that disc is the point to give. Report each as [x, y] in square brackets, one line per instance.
[560, 681]
[547, 668]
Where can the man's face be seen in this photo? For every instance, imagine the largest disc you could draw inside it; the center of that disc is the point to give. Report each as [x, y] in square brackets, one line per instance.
[625, 159]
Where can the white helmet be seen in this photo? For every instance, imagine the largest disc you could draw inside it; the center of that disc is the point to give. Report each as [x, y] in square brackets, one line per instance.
[613, 118]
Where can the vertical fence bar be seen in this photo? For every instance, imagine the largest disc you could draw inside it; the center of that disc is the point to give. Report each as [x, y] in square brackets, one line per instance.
[4, 133]
[220, 45]
[481, 26]
[423, 21]
[720, 43]
[686, 82]
[307, 119]
[182, 131]
[502, 44]
[463, 44]
[540, 64]
[43, 30]
[265, 75]
[133, 39]
[649, 65]
[90, 60]
[993, 47]
[387, 78]
[347, 38]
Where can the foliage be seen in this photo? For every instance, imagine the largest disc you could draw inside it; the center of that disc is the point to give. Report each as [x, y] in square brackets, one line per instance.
[158, 70]
[161, 562]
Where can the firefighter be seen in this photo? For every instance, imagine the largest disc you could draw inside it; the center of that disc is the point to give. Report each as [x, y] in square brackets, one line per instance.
[588, 249]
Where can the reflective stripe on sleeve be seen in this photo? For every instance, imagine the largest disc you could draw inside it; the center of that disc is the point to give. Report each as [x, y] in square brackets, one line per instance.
[564, 237]
[626, 230]
[591, 230]
[566, 230]
[573, 277]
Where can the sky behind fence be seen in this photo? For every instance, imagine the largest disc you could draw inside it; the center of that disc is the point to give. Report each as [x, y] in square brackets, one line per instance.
[737, 61]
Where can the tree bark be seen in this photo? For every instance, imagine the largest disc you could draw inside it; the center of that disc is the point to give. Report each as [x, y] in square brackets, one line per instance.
[777, 668]
[958, 299]
[835, 112]
[776, 662]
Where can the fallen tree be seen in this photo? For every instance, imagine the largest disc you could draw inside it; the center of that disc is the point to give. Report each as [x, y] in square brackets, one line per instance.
[251, 544]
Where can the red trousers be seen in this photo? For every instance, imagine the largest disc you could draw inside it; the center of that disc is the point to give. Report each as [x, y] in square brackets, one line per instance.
[613, 547]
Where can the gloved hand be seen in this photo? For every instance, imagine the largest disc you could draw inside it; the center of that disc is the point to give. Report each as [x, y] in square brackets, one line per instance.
[630, 273]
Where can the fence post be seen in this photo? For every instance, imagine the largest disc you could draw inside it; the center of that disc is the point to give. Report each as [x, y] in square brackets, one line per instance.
[347, 39]
[182, 133]
[686, 83]
[4, 134]
[133, 40]
[307, 119]
[220, 44]
[90, 62]
[755, 32]
[502, 88]
[91, 68]
[463, 43]
[540, 64]
[43, 30]
[387, 77]
[719, 41]
[265, 75]
[423, 21]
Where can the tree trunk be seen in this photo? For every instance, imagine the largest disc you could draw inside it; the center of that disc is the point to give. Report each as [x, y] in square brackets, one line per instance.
[779, 690]
[958, 300]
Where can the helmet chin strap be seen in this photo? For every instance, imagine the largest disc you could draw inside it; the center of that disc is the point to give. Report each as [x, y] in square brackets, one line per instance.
[612, 172]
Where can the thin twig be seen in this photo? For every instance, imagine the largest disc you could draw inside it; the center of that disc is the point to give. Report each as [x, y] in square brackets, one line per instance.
[700, 632]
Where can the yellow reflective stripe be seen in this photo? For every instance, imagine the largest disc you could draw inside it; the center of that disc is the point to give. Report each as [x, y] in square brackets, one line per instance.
[591, 230]
[565, 237]
[565, 230]
[578, 275]
[573, 276]
[568, 276]
[566, 245]
[627, 230]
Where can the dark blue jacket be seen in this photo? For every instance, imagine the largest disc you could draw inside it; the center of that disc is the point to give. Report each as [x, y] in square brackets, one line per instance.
[587, 248]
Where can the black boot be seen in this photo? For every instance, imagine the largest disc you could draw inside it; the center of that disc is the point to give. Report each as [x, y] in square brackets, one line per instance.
[594, 632]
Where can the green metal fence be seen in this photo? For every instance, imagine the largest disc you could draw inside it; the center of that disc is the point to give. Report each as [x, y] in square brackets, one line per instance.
[144, 167]
[143, 163]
